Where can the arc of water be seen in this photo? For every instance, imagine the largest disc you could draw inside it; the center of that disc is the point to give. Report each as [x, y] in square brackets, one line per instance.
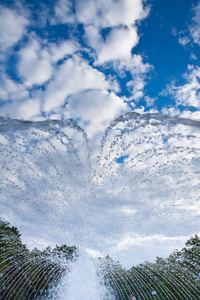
[41, 269]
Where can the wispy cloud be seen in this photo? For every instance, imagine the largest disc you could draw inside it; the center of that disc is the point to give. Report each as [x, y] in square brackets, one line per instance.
[190, 34]
[187, 94]
[194, 28]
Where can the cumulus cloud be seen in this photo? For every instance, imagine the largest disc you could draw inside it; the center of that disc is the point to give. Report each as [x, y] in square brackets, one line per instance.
[119, 17]
[37, 61]
[80, 92]
[26, 109]
[110, 13]
[54, 75]
[95, 109]
[59, 51]
[64, 12]
[11, 90]
[171, 111]
[12, 28]
[100, 14]
[73, 76]
[34, 64]
[190, 115]
[117, 44]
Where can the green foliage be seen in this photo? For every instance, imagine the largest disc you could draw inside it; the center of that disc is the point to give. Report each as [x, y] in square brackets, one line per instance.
[175, 278]
[28, 274]
[114, 277]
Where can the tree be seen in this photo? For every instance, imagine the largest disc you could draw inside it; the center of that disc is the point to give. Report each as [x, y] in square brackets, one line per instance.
[28, 274]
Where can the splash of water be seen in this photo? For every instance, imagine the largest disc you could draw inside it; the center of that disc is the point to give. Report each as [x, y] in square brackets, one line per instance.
[135, 198]
[82, 282]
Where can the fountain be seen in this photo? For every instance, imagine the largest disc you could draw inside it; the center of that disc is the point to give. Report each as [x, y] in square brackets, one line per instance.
[135, 197]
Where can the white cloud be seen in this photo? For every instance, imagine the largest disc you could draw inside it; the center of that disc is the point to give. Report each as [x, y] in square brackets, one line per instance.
[183, 40]
[34, 64]
[37, 61]
[187, 94]
[171, 111]
[60, 51]
[138, 70]
[71, 77]
[120, 17]
[100, 13]
[134, 65]
[192, 32]
[10, 90]
[136, 86]
[118, 45]
[25, 110]
[193, 56]
[113, 83]
[93, 37]
[150, 100]
[190, 115]
[185, 114]
[109, 13]
[64, 12]
[95, 109]
[12, 28]
[156, 244]
[195, 26]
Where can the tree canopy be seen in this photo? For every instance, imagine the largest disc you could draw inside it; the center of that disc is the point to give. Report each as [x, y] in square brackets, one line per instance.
[26, 274]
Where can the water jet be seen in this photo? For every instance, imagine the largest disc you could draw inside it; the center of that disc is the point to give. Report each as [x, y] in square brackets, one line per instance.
[134, 198]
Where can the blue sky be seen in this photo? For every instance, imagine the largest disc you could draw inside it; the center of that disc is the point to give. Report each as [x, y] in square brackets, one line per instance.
[93, 60]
